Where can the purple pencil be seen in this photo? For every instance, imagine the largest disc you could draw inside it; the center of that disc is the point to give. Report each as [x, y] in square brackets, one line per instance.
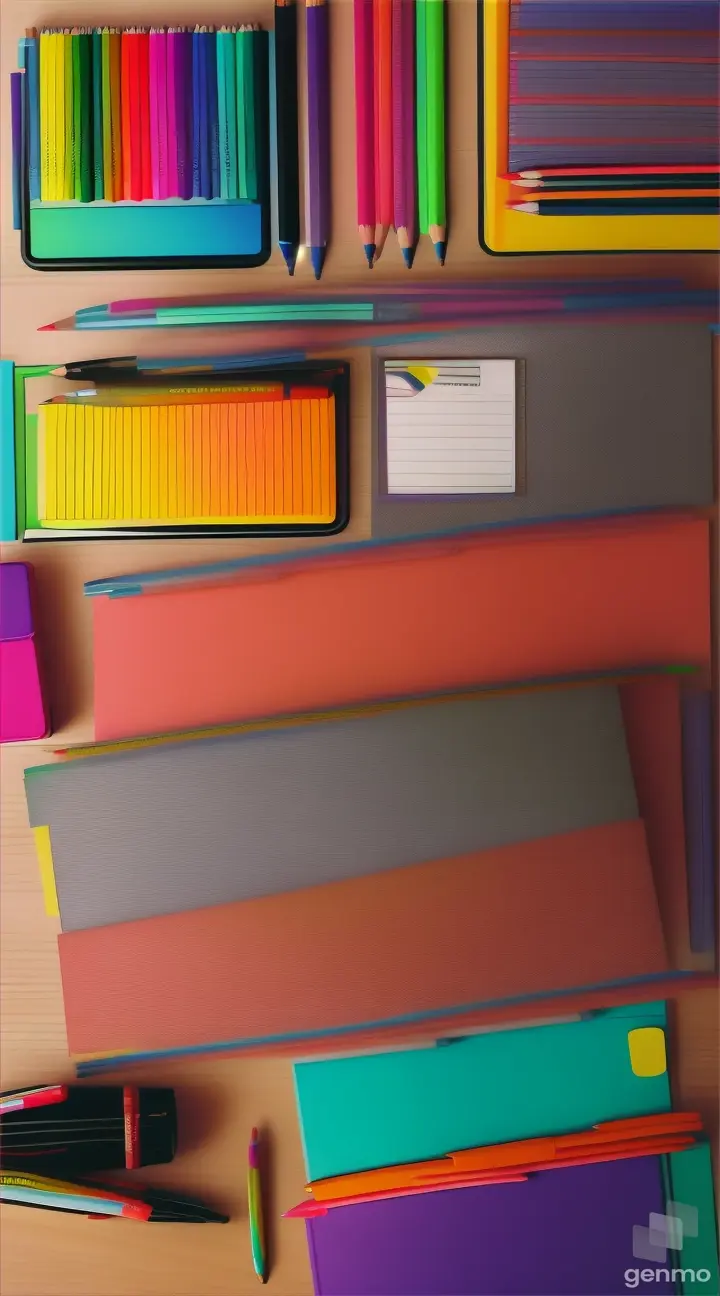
[182, 89]
[317, 180]
[172, 53]
[403, 112]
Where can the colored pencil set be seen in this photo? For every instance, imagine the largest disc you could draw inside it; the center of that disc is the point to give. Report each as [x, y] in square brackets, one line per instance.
[606, 119]
[400, 124]
[136, 114]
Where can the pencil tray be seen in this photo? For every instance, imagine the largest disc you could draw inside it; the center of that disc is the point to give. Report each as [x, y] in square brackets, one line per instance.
[223, 219]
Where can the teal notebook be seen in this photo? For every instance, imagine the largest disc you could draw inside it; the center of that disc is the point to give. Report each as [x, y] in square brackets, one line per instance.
[358, 1113]
[690, 1197]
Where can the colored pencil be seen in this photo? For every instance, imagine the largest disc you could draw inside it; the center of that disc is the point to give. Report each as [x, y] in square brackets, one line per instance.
[365, 125]
[98, 132]
[133, 135]
[183, 90]
[246, 114]
[161, 83]
[45, 63]
[142, 112]
[68, 188]
[116, 145]
[86, 108]
[626, 207]
[384, 197]
[211, 76]
[403, 114]
[317, 180]
[127, 88]
[16, 112]
[171, 55]
[107, 148]
[558, 184]
[32, 99]
[227, 111]
[255, 1209]
[594, 195]
[550, 172]
[76, 113]
[286, 91]
[435, 72]
[196, 84]
[421, 114]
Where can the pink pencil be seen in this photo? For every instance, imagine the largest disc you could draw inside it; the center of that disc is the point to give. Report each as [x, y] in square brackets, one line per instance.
[384, 196]
[173, 181]
[365, 125]
[403, 118]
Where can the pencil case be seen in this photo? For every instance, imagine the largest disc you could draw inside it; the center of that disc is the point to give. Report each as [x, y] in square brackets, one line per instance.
[69, 1129]
[140, 149]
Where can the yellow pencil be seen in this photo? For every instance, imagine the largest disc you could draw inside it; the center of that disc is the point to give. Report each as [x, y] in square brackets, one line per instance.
[68, 185]
[47, 106]
[58, 140]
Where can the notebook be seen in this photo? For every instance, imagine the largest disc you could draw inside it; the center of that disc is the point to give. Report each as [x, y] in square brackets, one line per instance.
[285, 808]
[561, 1232]
[454, 935]
[299, 633]
[603, 400]
[264, 452]
[358, 1113]
[450, 426]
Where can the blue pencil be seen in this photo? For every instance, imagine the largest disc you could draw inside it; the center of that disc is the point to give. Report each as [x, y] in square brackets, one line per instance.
[196, 184]
[16, 94]
[211, 99]
[32, 100]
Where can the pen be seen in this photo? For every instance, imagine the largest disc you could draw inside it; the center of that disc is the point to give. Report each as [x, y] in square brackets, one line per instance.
[255, 1213]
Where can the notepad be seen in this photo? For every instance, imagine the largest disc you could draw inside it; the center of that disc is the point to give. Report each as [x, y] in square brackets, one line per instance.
[450, 426]
[253, 460]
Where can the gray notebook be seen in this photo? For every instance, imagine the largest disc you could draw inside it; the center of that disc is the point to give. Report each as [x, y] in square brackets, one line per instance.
[610, 418]
[162, 829]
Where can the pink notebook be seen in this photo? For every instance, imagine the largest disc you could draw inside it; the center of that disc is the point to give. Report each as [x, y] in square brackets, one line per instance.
[22, 709]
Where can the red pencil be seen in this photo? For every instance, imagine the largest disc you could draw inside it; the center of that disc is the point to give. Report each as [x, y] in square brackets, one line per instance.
[126, 98]
[382, 15]
[365, 125]
[544, 172]
[143, 112]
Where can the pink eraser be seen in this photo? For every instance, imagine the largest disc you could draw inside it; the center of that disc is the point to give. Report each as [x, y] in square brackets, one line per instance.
[23, 714]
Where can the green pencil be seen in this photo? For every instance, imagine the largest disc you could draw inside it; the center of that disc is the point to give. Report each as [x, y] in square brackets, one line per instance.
[435, 52]
[69, 172]
[98, 163]
[421, 111]
[77, 114]
[108, 182]
[85, 78]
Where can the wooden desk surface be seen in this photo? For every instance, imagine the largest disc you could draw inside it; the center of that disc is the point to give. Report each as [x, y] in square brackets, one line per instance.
[42, 1254]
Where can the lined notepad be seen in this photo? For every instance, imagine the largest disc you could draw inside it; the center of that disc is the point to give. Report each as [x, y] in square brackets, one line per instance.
[238, 461]
[450, 427]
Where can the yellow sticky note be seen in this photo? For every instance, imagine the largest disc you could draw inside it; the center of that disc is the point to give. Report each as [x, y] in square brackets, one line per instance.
[163, 461]
[145, 471]
[172, 454]
[43, 850]
[80, 421]
[154, 503]
[70, 435]
[648, 1056]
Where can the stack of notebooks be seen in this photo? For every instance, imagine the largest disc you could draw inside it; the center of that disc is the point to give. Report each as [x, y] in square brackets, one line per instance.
[544, 1158]
[380, 764]
[599, 125]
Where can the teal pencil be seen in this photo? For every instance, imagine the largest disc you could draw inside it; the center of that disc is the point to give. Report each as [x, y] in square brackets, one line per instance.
[97, 116]
[250, 46]
[242, 112]
[227, 111]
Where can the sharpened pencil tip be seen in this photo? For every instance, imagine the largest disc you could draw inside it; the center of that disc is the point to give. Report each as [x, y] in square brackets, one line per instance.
[440, 249]
[408, 255]
[289, 252]
[317, 257]
[369, 250]
[46, 328]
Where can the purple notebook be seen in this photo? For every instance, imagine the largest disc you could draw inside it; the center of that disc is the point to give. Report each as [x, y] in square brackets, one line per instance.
[560, 1233]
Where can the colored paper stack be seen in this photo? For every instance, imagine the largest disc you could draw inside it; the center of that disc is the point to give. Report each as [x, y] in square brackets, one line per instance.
[561, 1125]
[601, 119]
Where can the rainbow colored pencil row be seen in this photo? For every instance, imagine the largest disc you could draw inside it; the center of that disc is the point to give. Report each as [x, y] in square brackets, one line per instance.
[137, 114]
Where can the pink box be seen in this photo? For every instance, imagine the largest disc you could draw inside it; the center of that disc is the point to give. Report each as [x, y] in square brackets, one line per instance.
[23, 714]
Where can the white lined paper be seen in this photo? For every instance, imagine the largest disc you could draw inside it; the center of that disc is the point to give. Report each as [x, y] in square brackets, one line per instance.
[456, 434]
